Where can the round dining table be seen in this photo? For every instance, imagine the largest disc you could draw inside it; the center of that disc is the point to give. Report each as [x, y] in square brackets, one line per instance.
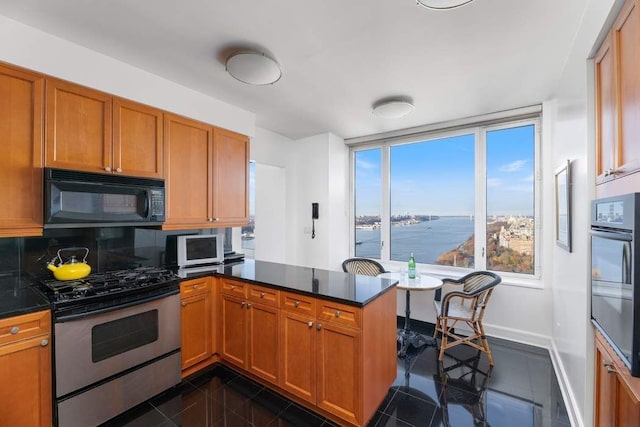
[422, 282]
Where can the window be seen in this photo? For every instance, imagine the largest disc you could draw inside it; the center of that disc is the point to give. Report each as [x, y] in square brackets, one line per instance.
[463, 199]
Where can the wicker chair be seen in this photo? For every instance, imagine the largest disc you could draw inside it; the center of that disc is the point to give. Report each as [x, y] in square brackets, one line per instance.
[364, 266]
[465, 306]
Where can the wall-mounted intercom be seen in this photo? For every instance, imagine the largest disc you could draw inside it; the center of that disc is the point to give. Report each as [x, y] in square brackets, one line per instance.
[314, 215]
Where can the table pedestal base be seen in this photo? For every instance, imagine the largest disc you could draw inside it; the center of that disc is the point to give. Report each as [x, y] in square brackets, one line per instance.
[411, 339]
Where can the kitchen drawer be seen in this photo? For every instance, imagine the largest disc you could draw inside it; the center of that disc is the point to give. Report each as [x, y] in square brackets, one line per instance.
[195, 287]
[25, 326]
[268, 296]
[339, 313]
[298, 303]
[232, 287]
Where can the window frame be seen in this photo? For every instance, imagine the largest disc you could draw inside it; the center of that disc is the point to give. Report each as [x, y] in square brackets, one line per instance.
[479, 129]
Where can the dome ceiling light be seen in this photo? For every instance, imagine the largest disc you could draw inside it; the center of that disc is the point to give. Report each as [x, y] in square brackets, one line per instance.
[253, 68]
[392, 108]
[442, 4]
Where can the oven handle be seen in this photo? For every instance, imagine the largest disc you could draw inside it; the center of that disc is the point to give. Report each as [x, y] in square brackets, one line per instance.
[71, 317]
[613, 235]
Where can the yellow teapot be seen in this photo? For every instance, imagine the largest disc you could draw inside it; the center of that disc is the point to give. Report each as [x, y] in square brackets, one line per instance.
[71, 270]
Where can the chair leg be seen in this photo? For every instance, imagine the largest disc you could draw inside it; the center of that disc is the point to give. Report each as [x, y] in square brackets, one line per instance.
[444, 341]
[485, 343]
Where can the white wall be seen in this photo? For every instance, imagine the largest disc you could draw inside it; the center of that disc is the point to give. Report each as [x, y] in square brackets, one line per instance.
[572, 137]
[36, 50]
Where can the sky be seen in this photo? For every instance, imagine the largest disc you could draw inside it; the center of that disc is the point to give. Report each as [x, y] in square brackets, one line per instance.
[436, 177]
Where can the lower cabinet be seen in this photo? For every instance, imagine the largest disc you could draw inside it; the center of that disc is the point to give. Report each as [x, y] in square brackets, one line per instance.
[250, 327]
[310, 349]
[196, 315]
[617, 393]
[25, 370]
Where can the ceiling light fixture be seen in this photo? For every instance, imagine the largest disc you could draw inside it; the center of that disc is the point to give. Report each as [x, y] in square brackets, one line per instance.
[253, 68]
[392, 108]
[442, 4]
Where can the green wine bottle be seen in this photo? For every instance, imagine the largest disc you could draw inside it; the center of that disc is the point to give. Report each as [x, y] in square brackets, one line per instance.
[412, 267]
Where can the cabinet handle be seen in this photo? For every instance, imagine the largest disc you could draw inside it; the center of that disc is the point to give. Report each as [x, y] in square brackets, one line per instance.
[232, 287]
[310, 324]
[261, 294]
[296, 304]
[184, 304]
[610, 368]
[242, 304]
[210, 219]
[337, 313]
[15, 330]
[319, 326]
[44, 343]
[249, 305]
[215, 219]
[195, 286]
[107, 169]
[119, 170]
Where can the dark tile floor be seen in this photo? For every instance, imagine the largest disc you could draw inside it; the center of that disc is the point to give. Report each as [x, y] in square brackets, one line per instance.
[521, 390]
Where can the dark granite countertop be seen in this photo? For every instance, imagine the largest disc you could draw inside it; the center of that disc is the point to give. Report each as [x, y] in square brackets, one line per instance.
[332, 285]
[17, 296]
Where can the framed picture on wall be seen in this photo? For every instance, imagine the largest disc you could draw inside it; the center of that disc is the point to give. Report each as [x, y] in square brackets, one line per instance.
[563, 206]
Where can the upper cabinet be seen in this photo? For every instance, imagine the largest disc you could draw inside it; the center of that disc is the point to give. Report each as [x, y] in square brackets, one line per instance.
[617, 73]
[93, 131]
[21, 133]
[206, 175]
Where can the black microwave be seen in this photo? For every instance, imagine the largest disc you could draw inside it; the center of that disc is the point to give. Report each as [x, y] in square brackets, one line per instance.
[84, 199]
[615, 274]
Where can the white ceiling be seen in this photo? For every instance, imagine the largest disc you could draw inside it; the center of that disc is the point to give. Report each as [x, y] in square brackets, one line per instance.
[337, 56]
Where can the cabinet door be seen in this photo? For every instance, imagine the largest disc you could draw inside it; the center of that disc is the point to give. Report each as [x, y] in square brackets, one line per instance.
[188, 172]
[25, 383]
[21, 133]
[231, 178]
[298, 355]
[606, 114]
[263, 341]
[233, 341]
[196, 329]
[605, 388]
[626, 32]
[78, 123]
[137, 139]
[339, 365]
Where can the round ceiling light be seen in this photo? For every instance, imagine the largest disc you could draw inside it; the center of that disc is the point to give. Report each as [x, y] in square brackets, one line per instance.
[442, 4]
[393, 109]
[253, 68]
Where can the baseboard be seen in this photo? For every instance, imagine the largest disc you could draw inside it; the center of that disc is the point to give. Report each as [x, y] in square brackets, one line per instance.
[565, 388]
[517, 335]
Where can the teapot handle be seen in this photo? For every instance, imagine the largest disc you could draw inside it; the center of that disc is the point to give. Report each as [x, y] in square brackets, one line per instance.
[75, 248]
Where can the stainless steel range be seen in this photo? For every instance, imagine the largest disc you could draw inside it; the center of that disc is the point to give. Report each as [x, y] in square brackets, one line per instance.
[117, 342]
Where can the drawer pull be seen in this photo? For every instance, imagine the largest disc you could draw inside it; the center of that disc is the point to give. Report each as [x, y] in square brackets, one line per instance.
[242, 304]
[337, 313]
[610, 368]
[319, 326]
[119, 170]
[44, 343]
[233, 287]
[249, 305]
[195, 286]
[184, 304]
[107, 169]
[296, 304]
[261, 294]
[310, 324]
[15, 330]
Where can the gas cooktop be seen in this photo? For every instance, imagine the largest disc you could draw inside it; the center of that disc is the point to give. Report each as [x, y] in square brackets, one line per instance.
[109, 288]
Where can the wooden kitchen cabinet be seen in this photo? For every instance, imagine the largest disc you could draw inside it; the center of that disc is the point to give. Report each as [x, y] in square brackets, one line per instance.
[231, 178]
[196, 321]
[21, 133]
[298, 349]
[207, 175]
[25, 370]
[250, 323]
[617, 393]
[617, 75]
[93, 131]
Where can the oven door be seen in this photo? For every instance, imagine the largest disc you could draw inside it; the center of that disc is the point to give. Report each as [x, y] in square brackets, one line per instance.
[92, 348]
[612, 288]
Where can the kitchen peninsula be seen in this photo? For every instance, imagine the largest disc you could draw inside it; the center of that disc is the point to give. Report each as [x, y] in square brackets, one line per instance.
[323, 338]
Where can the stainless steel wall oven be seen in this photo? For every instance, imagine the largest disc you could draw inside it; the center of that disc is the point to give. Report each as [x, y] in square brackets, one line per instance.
[117, 342]
[615, 275]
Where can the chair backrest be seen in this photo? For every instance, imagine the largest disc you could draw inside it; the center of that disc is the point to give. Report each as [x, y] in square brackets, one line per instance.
[480, 282]
[364, 266]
